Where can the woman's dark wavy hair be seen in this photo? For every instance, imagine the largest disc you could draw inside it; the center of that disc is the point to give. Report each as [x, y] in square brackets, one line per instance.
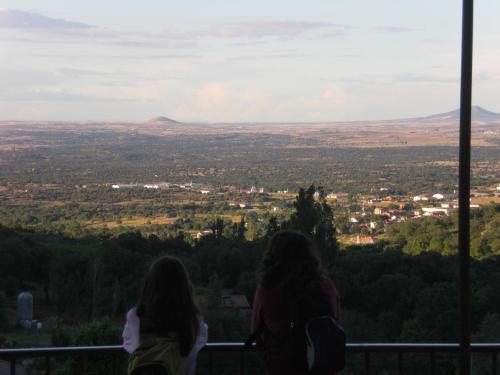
[292, 263]
[166, 303]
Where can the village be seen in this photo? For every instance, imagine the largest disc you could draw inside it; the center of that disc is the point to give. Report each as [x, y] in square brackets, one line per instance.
[360, 218]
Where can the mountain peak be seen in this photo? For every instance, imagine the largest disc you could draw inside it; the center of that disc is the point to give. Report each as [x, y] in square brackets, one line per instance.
[160, 120]
[478, 114]
[477, 110]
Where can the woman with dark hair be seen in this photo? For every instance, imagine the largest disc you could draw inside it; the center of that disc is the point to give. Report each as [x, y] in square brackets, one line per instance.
[165, 325]
[293, 286]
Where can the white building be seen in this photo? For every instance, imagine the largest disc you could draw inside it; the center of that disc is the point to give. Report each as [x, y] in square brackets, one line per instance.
[125, 186]
[337, 195]
[417, 198]
[440, 196]
[432, 210]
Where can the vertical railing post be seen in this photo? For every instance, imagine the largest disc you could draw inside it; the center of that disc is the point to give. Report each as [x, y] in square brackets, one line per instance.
[400, 363]
[13, 366]
[464, 186]
[242, 362]
[494, 363]
[367, 362]
[47, 365]
[210, 362]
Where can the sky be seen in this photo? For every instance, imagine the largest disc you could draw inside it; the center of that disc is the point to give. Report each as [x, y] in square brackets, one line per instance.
[241, 61]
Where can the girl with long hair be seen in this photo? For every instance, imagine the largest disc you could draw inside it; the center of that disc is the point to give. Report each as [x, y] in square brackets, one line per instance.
[165, 325]
[292, 284]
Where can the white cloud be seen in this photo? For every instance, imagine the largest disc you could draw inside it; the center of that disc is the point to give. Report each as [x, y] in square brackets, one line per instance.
[424, 78]
[16, 19]
[396, 29]
[269, 56]
[221, 101]
[334, 93]
[59, 95]
[38, 28]
[282, 29]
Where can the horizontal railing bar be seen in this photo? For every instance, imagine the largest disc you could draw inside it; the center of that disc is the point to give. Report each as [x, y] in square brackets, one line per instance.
[238, 346]
[22, 352]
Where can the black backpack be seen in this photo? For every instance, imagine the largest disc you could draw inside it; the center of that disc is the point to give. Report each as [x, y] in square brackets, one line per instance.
[315, 342]
[325, 345]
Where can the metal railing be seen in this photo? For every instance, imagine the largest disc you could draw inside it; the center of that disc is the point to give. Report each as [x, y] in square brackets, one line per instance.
[112, 353]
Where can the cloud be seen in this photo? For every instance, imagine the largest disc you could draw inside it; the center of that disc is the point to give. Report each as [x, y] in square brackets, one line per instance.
[119, 56]
[486, 76]
[362, 79]
[157, 57]
[287, 29]
[334, 92]
[29, 27]
[75, 73]
[432, 41]
[325, 105]
[411, 77]
[16, 19]
[395, 29]
[213, 95]
[60, 95]
[271, 56]
[372, 79]
[38, 28]
[84, 73]
[330, 35]
[222, 101]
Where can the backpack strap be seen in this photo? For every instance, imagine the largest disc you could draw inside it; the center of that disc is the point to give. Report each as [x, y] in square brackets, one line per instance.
[260, 329]
[294, 316]
[253, 337]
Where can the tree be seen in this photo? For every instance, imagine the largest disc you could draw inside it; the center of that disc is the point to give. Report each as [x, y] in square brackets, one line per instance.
[217, 227]
[3, 310]
[273, 226]
[314, 217]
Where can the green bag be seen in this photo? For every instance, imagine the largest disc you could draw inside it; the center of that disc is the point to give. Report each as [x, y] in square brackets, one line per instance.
[155, 348]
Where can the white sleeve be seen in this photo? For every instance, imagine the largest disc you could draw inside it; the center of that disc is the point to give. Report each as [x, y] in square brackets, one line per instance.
[130, 332]
[189, 362]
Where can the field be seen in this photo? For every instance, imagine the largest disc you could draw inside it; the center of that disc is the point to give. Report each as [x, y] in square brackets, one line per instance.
[60, 174]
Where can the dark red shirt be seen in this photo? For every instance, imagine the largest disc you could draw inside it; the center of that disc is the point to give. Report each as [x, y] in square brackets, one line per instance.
[272, 307]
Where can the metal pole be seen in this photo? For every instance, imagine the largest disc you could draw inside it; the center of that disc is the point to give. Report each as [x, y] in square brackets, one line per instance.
[464, 187]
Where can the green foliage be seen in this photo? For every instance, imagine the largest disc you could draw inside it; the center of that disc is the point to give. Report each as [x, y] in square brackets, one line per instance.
[3, 310]
[98, 332]
[488, 332]
[314, 217]
[99, 156]
[440, 235]
[225, 324]
[217, 227]
[401, 289]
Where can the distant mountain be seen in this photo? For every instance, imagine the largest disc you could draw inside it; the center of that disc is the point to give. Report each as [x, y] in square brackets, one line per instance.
[478, 114]
[161, 120]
